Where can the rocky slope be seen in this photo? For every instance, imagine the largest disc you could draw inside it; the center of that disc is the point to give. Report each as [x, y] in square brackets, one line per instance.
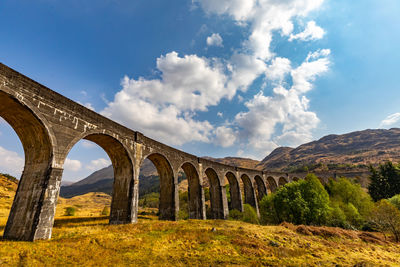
[352, 150]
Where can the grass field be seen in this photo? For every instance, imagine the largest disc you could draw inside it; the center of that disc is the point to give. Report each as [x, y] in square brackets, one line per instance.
[91, 241]
[87, 240]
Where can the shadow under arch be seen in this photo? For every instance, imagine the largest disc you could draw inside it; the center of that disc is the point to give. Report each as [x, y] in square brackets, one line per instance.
[195, 192]
[216, 197]
[249, 193]
[295, 179]
[124, 194]
[282, 181]
[272, 184]
[234, 191]
[32, 213]
[261, 187]
[168, 206]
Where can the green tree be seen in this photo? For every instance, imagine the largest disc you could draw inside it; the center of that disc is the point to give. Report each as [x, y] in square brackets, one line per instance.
[385, 181]
[301, 202]
[386, 218]
[347, 192]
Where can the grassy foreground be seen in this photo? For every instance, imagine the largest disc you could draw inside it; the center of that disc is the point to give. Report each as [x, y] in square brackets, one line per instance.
[91, 241]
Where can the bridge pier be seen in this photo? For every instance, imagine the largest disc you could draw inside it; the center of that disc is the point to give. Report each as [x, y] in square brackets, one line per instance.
[34, 206]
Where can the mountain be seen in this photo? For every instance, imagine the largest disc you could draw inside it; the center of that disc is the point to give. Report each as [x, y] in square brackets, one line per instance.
[237, 162]
[102, 181]
[354, 150]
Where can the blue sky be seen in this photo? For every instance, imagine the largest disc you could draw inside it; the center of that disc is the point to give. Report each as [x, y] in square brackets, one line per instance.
[216, 78]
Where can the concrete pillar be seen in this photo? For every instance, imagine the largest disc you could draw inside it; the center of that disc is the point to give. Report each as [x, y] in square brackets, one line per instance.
[32, 213]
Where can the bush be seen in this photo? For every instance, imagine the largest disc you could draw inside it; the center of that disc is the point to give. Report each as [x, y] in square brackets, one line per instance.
[235, 215]
[105, 211]
[183, 214]
[386, 217]
[150, 200]
[337, 218]
[268, 213]
[354, 202]
[250, 214]
[70, 211]
[395, 201]
[301, 202]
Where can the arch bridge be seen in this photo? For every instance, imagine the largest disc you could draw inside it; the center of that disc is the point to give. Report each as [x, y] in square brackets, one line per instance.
[49, 125]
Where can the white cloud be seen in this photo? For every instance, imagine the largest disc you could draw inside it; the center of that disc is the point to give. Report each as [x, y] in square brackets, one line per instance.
[288, 108]
[72, 165]
[214, 40]
[163, 108]
[311, 32]
[220, 114]
[278, 69]
[225, 136]
[98, 164]
[264, 18]
[390, 120]
[11, 162]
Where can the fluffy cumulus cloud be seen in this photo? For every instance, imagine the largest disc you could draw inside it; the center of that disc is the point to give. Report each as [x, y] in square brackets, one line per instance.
[311, 32]
[165, 107]
[11, 162]
[391, 120]
[72, 165]
[224, 136]
[286, 107]
[98, 164]
[214, 40]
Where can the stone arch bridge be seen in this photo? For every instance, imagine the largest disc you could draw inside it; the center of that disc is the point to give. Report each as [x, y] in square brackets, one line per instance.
[49, 125]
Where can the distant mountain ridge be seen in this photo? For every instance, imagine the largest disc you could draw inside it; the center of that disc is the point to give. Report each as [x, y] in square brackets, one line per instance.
[346, 152]
[359, 148]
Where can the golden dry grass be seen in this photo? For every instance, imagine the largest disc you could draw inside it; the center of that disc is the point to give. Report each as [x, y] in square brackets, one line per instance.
[91, 241]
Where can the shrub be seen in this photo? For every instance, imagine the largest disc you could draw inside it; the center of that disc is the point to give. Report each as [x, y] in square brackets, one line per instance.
[150, 200]
[386, 217]
[105, 211]
[354, 202]
[70, 211]
[183, 214]
[395, 201]
[250, 214]
[235, 215]
[268, 213]
[337, 218]
[301, 202]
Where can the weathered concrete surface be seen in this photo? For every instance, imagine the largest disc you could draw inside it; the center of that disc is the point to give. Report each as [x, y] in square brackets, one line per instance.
[49, 125]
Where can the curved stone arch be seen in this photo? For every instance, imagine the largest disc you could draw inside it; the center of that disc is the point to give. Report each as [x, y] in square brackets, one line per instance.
[169, 197]
[249, 192]
[31, 209]
[282, 181]
[261, 187]
[216, 195]
[125, 191]
[195, 191]
[234, 190]
[273, 186]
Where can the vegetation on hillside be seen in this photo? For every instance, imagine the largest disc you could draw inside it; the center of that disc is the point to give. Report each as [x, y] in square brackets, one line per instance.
[385, 181]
